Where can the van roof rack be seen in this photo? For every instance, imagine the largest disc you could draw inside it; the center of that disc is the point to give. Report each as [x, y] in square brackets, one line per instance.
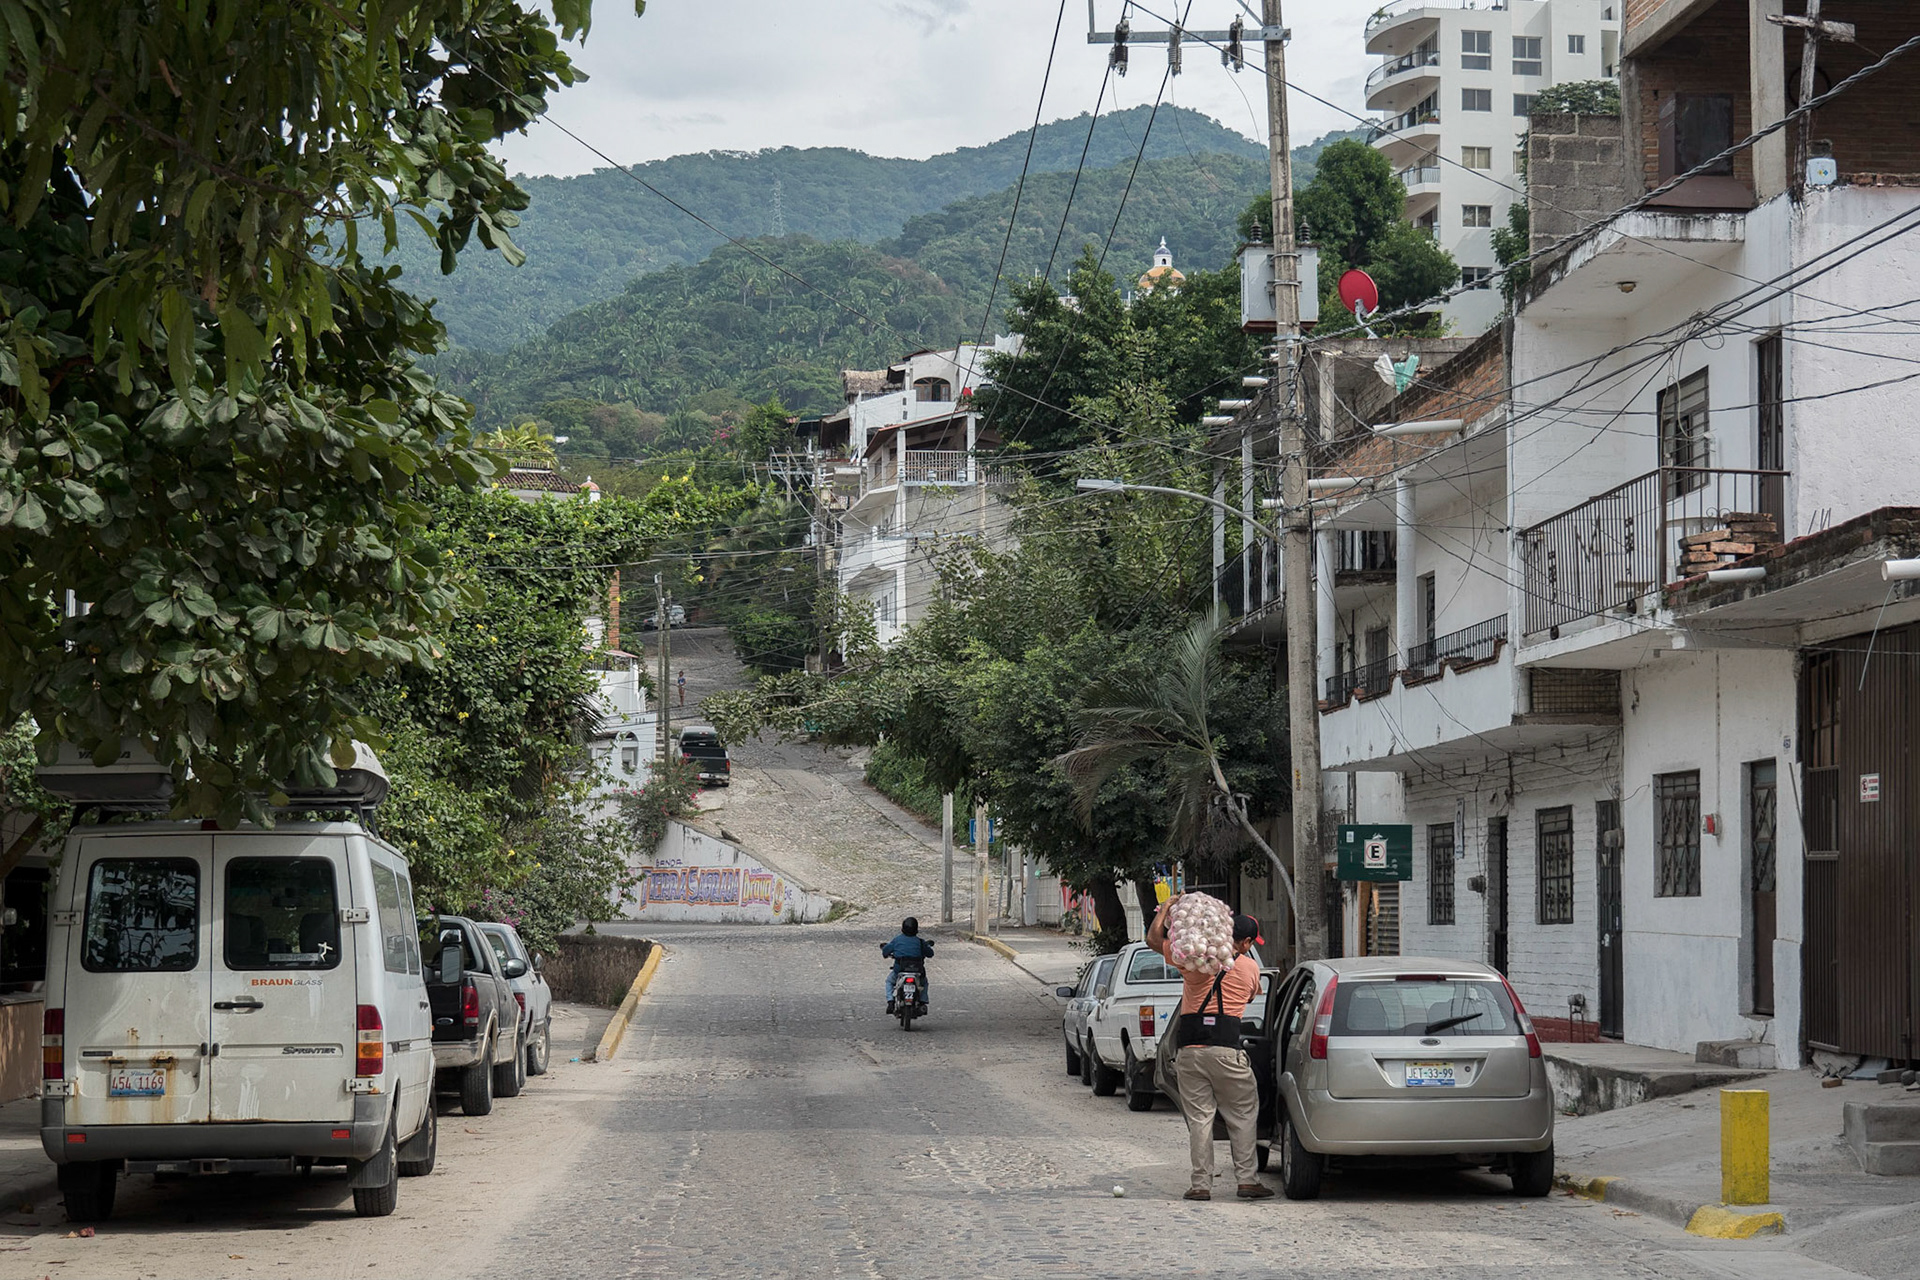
[137, 783]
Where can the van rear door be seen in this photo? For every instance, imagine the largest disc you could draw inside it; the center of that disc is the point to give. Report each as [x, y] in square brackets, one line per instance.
[137, 980]
[283, 978]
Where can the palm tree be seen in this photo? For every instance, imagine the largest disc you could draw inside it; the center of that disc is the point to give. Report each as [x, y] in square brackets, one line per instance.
[1165, 719]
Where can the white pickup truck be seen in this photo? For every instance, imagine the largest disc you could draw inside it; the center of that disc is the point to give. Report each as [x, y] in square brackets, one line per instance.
[1135, 1004]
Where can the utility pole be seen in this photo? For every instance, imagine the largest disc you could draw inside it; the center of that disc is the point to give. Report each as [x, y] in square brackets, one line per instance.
[1816, 29]
[1309, 859]
[946, 858]
[665, 632]
[1303, 710]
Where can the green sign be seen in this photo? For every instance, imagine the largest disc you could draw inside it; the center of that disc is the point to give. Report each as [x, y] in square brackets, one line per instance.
[1381, 851]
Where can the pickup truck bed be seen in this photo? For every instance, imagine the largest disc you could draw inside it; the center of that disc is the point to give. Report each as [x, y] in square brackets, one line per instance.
[476, 1020]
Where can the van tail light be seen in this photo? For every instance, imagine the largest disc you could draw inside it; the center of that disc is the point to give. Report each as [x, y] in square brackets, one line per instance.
[1146, 1020]
[1520, 1017]
[1322, 1022]
[520, 998]
[53, 1041]
[370, 1055]
[469, 1003]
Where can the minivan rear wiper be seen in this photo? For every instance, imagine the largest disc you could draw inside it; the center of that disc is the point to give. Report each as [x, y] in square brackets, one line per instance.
[1434, 1028]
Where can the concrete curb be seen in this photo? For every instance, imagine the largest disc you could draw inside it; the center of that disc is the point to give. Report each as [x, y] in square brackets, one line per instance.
[993, 944]
[1713, 1221]
[623, 1017]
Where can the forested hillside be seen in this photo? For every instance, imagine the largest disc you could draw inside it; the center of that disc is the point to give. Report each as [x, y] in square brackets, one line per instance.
[586, 236]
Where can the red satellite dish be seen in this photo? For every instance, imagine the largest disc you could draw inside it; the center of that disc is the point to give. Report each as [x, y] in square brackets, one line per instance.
[1358, 293]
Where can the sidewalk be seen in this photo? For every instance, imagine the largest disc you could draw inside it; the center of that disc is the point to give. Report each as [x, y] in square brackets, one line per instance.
[1662, 1158]
[1053, 957]
[26, 1175]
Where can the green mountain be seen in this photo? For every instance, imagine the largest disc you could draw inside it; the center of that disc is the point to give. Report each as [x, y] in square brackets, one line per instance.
[586, 236]
[729, 328]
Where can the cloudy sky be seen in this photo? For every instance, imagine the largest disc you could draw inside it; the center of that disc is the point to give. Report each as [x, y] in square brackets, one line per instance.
[901, 77]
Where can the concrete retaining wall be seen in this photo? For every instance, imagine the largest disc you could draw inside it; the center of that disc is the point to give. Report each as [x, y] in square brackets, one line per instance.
[697, 875]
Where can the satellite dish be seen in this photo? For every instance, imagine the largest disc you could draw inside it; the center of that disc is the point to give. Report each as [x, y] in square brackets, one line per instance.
[1358, 293]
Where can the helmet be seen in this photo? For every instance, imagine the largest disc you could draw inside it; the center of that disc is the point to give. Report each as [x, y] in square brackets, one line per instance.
[910, 926]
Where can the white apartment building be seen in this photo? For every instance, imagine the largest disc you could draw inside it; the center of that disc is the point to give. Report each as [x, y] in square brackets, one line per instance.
[901, 467]
[1635, 651]
[1454, 86]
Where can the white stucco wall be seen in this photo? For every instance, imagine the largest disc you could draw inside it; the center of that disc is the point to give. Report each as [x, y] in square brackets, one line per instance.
[1687, 970]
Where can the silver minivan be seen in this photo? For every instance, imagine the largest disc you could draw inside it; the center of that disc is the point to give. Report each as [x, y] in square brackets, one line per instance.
[233, 1001]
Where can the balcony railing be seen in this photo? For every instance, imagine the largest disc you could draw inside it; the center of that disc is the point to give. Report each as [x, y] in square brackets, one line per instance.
[1419, 175]
[1400, 66]
[936, 466]
[1365, 551]
[1399, 9]
[1476, 643]
[1407, 120]
[1611, 550]
[1369, 681]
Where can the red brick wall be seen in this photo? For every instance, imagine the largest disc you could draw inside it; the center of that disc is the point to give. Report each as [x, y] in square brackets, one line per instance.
[1873, 127]
[1469, 386]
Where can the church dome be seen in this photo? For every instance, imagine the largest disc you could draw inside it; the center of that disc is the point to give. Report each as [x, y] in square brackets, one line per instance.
[1162, 272]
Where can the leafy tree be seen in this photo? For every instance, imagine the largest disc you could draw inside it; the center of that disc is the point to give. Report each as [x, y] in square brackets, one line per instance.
[1579, 97]
[1409, 266]
[764, 429]
[1511, 244]
[210, 431]
[1353, 202]
[1167, 717]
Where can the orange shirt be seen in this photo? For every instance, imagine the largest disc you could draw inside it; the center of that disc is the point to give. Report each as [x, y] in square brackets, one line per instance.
[1237, 989]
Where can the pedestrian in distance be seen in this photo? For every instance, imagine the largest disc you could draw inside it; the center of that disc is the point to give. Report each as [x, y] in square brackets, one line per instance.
[909, 953]
[1214, 1074]
[683, 688]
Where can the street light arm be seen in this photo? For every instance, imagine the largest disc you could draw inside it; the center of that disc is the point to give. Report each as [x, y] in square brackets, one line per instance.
[1117, 486]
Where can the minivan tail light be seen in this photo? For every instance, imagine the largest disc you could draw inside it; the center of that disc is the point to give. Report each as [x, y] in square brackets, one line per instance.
[1146, 1019]
[470, 1003]
[370, 1055]
[520, 998]
[53, 1041]
[1520, 1017]
[1322, 1022]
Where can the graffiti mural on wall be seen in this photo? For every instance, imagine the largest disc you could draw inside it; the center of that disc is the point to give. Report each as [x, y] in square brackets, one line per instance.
[762, 890]
[693, 886]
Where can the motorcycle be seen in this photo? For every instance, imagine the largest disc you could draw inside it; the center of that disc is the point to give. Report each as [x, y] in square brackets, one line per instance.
[910, 999]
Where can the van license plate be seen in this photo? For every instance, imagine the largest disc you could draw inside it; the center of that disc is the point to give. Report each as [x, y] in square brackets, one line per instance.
[1430, 1075]
[136, 1084]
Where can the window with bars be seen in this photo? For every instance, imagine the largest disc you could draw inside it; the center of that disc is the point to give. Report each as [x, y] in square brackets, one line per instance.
[1526, 55]
[1683, 433]
[1553, 853]
[1676, 816]
[1440, 866]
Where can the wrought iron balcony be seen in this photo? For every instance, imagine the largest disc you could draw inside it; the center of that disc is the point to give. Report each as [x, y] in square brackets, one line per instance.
[1373, 679]
[1631, 541]
[1476, 643]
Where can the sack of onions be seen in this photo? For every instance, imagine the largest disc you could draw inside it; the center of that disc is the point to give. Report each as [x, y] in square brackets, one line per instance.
[1200, 933]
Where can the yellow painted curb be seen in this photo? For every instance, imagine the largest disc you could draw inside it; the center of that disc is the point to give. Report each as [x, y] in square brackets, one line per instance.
[1717, 1222]
[993, 943]
[617, 1029]
[1588, 1188]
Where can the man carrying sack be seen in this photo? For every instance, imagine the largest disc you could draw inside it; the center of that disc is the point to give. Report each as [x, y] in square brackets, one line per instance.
[1214, 1073]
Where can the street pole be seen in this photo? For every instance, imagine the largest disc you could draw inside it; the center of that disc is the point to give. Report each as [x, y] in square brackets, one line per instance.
[664, 631]
[982, 903]
[1309, 863]
[946, 858]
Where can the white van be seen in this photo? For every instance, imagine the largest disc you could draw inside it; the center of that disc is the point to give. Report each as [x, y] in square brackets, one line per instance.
[229, 1001]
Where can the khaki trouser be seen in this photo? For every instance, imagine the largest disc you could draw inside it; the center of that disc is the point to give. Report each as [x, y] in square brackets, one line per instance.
[1216, 1078]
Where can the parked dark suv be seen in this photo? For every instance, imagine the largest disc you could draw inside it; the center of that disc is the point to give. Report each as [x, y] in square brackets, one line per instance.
[700, 747]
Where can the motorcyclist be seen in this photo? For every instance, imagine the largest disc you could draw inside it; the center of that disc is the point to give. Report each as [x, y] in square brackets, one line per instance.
[909, 953]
